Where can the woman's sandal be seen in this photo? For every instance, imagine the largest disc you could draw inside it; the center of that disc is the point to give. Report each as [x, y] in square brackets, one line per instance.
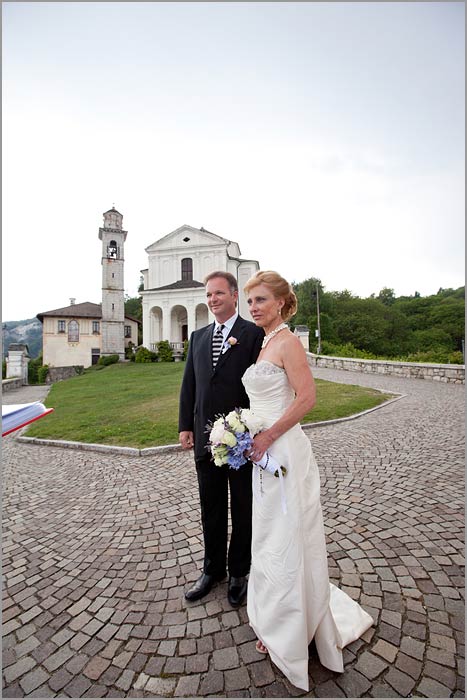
[260, 647]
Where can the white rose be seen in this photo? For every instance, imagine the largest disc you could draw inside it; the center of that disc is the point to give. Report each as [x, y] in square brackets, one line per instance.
[252, 422]
[234, 422]
[217, 431]
[229, 439]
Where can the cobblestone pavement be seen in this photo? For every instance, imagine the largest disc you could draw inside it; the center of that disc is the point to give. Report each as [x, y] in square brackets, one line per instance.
[98, 549]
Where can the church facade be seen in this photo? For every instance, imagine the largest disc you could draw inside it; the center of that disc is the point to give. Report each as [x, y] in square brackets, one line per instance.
[173, 294]
[79, 334]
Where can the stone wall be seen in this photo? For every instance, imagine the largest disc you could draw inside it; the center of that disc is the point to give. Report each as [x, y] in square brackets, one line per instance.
[10, 384]
[56, 374]
[453, 374]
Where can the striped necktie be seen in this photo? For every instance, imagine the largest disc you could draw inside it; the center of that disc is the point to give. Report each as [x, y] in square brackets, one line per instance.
[217, 343]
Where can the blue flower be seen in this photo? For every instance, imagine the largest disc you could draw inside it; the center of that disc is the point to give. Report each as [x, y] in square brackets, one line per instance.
[236, 456]
[235, 461]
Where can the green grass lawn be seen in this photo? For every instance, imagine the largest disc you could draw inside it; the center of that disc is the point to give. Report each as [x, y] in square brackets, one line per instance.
[136, 405]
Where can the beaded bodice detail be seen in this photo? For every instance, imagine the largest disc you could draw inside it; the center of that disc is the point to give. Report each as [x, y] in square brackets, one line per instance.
[269, 390]
[263, 368]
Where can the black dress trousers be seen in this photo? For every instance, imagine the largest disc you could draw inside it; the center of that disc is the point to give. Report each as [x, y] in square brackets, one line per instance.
[214, 484]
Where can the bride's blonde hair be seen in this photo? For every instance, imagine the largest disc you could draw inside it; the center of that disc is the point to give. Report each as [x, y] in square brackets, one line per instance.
[279, 287]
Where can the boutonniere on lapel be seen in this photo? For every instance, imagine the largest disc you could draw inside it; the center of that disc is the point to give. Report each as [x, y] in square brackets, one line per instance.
[230, 343]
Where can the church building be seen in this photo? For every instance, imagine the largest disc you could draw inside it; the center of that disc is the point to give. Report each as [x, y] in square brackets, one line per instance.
[79, 334]
[173, 294]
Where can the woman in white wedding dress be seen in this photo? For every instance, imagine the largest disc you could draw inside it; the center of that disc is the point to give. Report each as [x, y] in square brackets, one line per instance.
[290, 599]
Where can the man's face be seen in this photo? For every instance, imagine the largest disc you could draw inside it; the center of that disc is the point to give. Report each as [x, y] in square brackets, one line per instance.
[220, 299]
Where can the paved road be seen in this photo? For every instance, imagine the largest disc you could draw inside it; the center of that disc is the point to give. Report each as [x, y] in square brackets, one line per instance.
[99, 548]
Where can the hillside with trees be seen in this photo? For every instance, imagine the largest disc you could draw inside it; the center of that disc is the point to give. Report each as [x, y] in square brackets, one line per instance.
[28, 331]
[413, 328]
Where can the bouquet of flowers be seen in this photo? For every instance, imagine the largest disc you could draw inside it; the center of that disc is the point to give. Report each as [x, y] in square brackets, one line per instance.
[232, 435]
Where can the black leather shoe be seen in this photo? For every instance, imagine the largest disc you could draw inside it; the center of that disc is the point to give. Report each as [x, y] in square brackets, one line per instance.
[237, 590]
[201, 587]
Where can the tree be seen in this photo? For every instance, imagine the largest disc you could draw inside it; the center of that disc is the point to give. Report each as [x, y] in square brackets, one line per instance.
[449, 316]
[383, 325]
[134, 307]
[307, 313]
[387, 296]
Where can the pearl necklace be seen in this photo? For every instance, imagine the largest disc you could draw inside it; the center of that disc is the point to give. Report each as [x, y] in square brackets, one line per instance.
[270, 335]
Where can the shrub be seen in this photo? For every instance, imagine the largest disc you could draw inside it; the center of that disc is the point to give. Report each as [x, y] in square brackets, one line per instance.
[33, 368]
[130, 352]
[438, 356]
[165, 351]
[42, 374]
[346, 350]
[3, 369]
[106, 360]
[145, 355]
[185, 349]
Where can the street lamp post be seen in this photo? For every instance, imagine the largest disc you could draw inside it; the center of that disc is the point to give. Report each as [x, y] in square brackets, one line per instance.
[319, 324]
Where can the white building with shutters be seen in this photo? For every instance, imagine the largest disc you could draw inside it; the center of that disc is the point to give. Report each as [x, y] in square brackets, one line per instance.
[173, 294]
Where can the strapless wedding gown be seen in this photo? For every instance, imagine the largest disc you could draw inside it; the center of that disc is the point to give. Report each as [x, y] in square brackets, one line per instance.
[290, 599]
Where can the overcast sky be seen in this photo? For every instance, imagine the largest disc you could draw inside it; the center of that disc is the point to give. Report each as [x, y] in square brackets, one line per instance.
[327, 139]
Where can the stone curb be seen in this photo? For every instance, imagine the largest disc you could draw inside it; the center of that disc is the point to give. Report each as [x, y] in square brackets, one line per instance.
[164, 449]
[320, 423]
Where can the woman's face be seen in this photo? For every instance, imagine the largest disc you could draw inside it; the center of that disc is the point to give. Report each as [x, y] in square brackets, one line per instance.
[264, 307]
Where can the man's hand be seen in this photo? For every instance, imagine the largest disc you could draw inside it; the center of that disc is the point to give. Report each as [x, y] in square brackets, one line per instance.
[186, 439]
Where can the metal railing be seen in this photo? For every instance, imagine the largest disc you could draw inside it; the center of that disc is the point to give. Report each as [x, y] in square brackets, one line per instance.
[176, 347]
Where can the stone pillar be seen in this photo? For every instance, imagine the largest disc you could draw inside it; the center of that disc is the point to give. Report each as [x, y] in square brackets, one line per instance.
[191, 313]
[17, 362]
[303, 334]
[146, 325]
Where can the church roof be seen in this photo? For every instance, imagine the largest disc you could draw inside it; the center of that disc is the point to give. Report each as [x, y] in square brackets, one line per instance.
[179, 284]
[208, 235]
[85, 310]
[113, 209]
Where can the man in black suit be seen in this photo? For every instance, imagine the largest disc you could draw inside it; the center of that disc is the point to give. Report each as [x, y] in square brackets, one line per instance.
[212, 385]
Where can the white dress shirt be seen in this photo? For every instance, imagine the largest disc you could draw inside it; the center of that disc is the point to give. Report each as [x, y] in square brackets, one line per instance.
[228, 325]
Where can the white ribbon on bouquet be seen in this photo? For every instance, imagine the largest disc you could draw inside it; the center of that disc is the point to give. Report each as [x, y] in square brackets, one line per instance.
[271, 465]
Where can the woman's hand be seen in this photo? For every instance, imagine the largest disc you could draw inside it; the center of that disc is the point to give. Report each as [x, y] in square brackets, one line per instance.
[261, 443]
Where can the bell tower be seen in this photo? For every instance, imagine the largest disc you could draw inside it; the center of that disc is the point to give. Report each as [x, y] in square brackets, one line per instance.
[113, 312]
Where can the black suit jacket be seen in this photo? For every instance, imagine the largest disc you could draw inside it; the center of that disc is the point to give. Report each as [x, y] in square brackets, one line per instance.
[206, 392]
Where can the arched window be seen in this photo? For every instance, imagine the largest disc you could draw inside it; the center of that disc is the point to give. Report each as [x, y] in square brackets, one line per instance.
[187, 269]
[73, 332]
[112, 250]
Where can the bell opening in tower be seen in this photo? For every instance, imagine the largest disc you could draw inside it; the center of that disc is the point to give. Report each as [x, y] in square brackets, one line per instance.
[112, 250]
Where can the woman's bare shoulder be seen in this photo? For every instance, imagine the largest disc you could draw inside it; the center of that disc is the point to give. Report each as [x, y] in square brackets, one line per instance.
[291, 342]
